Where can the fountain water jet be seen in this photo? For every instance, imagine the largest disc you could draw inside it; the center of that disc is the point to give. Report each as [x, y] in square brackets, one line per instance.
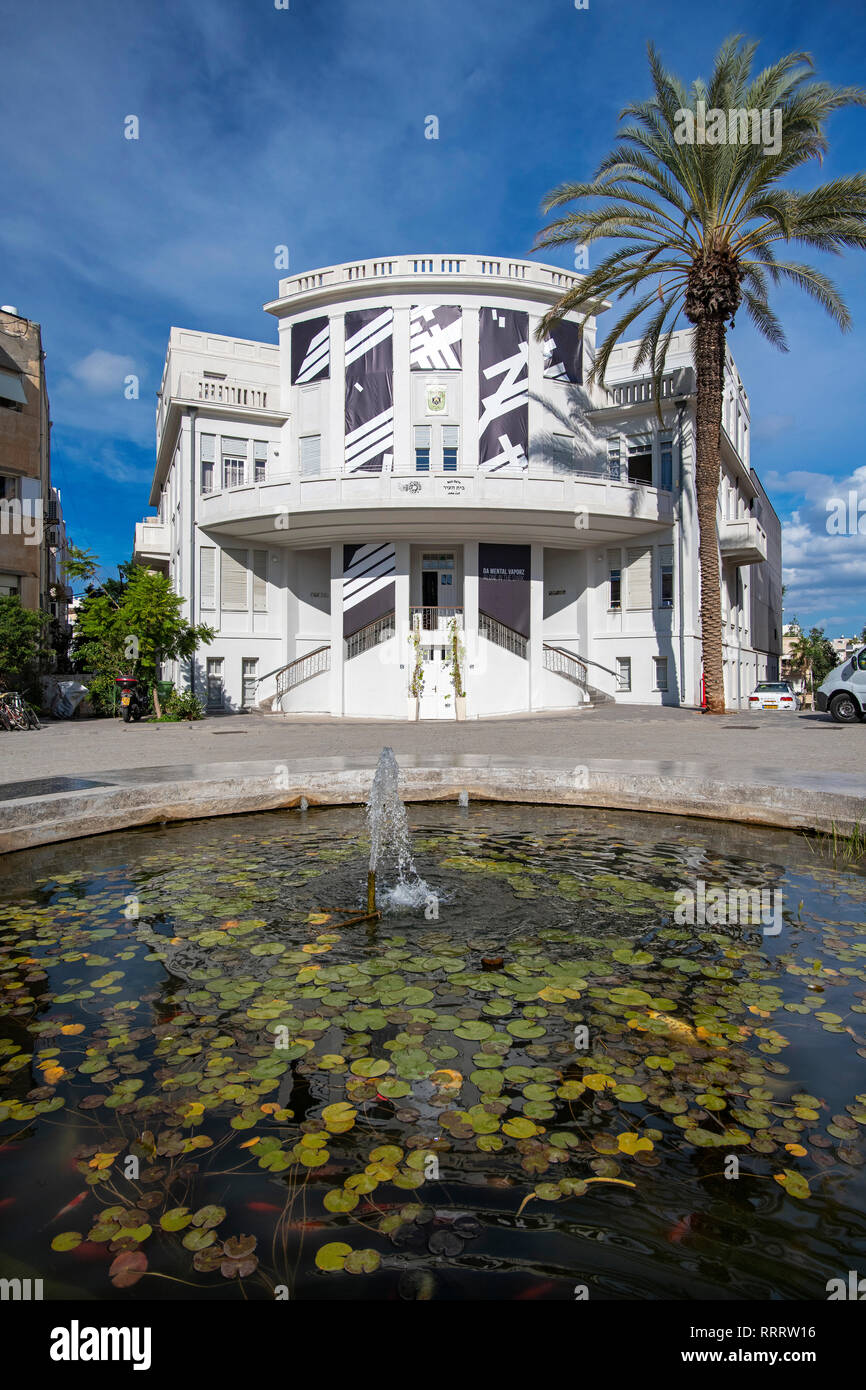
[389, 830]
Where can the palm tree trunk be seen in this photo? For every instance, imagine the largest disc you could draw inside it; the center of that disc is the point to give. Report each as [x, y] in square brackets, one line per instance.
[709, 362]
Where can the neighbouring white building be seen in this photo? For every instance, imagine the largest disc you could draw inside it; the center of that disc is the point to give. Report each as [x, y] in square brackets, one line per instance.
[409, 464]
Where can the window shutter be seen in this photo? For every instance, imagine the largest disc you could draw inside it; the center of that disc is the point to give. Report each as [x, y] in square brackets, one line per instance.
[260, 451]
[208, 577]
[207, 445]
[311, 454]
[233, 579]
[450, 436]
[614, 559]
[422, 436]
[234, 448]
[260, 581]
[639, 590]
[666, 554]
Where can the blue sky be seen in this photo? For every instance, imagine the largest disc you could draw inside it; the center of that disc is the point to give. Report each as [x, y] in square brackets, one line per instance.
[305, 127]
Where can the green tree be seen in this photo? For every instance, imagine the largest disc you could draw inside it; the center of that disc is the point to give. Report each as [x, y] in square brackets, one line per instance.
[80, 564]
[697, 227]
[132, 625]
[21, 642]
[812, 657]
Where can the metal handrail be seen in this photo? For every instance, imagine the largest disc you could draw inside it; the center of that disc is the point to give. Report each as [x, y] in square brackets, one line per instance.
[584, 660]
[501, 634]
[303, 668]
[370, 635]
[564, 664]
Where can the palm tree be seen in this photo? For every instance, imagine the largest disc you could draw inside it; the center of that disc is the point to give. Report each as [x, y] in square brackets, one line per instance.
[697, 225]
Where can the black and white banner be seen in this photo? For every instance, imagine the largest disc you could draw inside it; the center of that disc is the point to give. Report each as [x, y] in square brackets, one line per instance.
[311, 351]
[435, 337]
[563, 353]
[369, 390]
[504, 573]
[368, 584]
[504, 390]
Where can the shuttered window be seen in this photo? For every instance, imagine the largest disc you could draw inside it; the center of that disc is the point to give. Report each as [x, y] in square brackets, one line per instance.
[207, 454]
[666, 576]
[233, 579]
[422, 448]
[260, 581]
[450, 447]
[639, 583]
[260, 459]
[234, 453]
[207, 560]
[311, 454]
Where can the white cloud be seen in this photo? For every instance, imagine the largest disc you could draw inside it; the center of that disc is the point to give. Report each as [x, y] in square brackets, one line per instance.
[102, 372]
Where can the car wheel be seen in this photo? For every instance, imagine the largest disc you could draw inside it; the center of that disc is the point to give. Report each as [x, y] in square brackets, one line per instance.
[843, 708]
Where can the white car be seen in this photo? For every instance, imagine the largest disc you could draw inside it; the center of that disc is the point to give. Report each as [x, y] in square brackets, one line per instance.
[773, 695]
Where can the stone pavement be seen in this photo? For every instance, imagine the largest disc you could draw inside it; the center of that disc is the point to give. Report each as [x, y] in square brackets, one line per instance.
[743, 745]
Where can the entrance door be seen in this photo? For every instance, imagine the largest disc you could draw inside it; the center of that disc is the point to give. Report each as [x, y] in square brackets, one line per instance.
[437, 698]
[429, 598]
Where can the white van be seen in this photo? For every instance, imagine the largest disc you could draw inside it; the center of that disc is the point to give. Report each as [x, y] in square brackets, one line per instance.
[843, 693]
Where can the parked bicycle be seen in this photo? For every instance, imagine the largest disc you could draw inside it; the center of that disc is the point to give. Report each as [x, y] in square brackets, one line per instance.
[15, 713]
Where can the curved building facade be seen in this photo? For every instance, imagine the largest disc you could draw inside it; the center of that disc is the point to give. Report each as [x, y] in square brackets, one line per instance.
[410, 495]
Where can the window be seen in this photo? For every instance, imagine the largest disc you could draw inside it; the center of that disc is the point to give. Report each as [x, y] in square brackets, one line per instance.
[639, 593]
[640, 461]
[8, 488]
[613, 464]
[214, 682]
[623, 673]
[563, 450]
[207, 455]
[234, 452]
[9, 584]
[660, 665]
[260, 581]
[666, 576]
[310, 455]
[450, 446]
[614, 571]
[666, 479]
[233, 580]
[207, 576]
[260, 460]
[249, 681]
[422, 448]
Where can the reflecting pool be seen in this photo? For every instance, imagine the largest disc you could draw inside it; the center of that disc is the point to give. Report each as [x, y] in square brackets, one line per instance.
[542, 1080]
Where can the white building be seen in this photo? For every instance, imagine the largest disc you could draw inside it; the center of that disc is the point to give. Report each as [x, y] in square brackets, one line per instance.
[410, 462]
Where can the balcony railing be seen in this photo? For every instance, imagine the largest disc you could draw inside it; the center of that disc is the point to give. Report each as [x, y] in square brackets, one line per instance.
[228, 391]
[434, 618]
[451, 265]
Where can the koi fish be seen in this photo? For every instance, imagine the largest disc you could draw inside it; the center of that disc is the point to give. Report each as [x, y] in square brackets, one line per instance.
[537, 1290]
[70, 1206]
[682, 1228]
[263, 1206]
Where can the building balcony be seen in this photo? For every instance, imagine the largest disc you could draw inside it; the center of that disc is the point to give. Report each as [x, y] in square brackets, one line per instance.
[151, 544]
[434, 269]
[557, 508]
[743, 542]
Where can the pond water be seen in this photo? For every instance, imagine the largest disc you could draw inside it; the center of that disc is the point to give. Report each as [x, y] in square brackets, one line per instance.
[539, 1083]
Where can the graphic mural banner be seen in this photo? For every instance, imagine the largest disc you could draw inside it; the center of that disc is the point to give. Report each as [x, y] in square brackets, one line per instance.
[503, 390]
[435, 337]
[369, 583]
[563, 353]
[369, 390]
[311, 351]
[503, 584]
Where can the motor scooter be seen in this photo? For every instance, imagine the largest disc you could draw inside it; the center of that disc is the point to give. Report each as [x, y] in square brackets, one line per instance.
[133, 698]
